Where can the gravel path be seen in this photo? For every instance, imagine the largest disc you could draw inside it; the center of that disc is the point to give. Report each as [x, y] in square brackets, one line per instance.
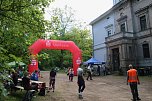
[101, 88]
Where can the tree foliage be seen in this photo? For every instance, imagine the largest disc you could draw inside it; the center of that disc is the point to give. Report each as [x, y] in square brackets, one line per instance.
[82, 39]
[21, 23]
[63, 26]
[61, 21]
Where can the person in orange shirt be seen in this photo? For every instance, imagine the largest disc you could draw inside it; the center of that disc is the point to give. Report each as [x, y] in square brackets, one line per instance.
[133, 80]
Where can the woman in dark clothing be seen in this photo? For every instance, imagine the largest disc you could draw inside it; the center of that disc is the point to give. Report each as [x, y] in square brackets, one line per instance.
[52, 79]
[14, 78]
[81, 82]
[27, 84]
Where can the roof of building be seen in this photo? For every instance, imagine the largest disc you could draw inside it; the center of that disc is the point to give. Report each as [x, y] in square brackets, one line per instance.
[100, 17]
[107, 12]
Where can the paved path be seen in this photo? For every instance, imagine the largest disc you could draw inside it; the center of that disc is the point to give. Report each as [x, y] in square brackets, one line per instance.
[103, 88]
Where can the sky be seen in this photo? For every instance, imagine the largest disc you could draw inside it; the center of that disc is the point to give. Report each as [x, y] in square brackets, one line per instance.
[85, 10]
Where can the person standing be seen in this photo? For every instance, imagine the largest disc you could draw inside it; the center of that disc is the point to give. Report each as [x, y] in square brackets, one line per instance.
[104, 69]
[69, 69]
[89, 71]
[133, 80]
[80, 81]
[98, 70]
[71, 74]
[52, 79]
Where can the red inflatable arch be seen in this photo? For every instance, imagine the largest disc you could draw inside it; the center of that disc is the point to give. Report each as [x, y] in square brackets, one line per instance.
[55, 45]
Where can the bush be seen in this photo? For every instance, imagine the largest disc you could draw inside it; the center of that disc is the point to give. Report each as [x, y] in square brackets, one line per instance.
[3, 91]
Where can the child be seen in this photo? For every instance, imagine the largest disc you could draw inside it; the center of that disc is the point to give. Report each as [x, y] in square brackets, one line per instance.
[71, 74]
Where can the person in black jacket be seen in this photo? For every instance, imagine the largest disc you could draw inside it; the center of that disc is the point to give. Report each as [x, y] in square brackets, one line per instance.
[52, 79]
[14, 78]
[80, 82]
[27, 84]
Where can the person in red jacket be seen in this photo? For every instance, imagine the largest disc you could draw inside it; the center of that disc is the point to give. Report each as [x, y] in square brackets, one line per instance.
[133, 80]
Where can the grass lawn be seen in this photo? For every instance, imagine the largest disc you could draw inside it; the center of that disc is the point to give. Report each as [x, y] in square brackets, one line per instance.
[18, 96]
[15, 96]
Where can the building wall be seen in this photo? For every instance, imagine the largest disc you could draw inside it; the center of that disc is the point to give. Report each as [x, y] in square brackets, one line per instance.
[129, 42]
[122, 14]
[140, 8]
[116, 1]
[100, 54]
[143, 7]
[150, 16]
[144, 62]
[129, 12]
[123, 10]
[99, 33]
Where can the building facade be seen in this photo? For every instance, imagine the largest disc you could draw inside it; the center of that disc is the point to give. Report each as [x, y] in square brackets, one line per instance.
[142, 17]
[131, 42]
[102, 26]
[116, 1]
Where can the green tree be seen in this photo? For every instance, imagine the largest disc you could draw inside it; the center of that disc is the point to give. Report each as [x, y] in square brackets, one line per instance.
[63, 26]
[21, 23]
[82, 39]
[61, 21]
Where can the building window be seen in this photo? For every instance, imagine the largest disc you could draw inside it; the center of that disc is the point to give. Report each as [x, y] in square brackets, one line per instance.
[109, 29]
[123, 27]
[146, 53]
[109, 32]
[143, 24]
[108, 17]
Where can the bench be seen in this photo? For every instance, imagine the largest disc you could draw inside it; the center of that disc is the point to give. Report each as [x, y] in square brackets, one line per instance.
[19, 87]
[28, 95]
[47, 87]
